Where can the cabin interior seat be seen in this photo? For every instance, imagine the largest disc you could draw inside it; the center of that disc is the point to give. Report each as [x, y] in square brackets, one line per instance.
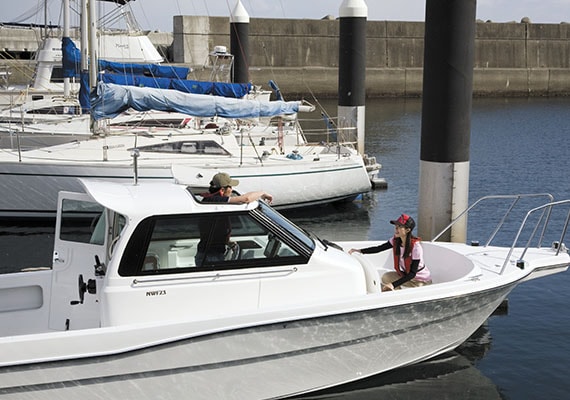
[182, 254]
[170, 254]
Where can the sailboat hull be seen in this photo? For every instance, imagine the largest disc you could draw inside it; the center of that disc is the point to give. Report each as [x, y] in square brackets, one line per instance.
[30, 189]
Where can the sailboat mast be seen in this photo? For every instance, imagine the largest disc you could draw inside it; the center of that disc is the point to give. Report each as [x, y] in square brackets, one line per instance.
[45, 19]
[84, 42]
[66, 83]
[92, 20]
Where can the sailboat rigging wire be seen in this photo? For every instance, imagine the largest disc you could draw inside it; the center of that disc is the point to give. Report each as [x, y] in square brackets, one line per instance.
[323, 111]
[268, 60]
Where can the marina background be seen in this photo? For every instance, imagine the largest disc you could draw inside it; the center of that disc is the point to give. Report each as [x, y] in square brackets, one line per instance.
[511, 59]
[518, 145]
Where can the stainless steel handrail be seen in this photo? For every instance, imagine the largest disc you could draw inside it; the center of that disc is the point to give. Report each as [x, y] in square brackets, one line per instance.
[544, 219]
[214, 276]
[515, 197]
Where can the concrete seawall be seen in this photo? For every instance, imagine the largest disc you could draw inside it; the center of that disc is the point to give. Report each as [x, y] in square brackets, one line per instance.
[511, 59]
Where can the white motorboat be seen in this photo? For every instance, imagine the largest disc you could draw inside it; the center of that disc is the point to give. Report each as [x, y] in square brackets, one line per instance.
[126, 312]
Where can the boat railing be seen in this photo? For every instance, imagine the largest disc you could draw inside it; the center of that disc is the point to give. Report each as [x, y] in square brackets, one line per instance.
[546, 209]
[330, 133]
[216, 276]
[543, 211]
[5, 72]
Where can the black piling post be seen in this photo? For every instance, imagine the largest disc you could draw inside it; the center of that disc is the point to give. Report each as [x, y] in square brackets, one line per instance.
[446, 116]
[239, 43]
[352, 68]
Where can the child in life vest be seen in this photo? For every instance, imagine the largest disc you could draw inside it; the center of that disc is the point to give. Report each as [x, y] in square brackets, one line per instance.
[409, 268]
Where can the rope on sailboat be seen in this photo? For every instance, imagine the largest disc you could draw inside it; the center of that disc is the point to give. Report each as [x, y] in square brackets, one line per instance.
[260, 158]
[328, 119]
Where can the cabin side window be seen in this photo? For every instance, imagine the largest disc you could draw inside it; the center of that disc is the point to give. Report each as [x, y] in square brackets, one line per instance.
[57, 74]
[195, 147]
[55, 110]
[209, 242]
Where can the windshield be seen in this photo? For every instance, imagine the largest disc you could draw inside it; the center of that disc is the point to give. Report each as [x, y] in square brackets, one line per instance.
[286, 225]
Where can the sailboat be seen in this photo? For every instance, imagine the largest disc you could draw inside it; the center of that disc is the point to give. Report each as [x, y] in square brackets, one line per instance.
[304, 175]
[47, 83]
[298, 175]
[307, 175]
[58, 120]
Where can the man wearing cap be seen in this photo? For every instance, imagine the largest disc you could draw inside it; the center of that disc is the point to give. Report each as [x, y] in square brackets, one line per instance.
[215, 231]
[409, 268]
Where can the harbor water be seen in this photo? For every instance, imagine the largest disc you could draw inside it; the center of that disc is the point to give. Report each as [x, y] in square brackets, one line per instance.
[517, 146]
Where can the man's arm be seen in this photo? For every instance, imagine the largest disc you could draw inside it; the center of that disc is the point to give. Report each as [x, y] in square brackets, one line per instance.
[251, 196]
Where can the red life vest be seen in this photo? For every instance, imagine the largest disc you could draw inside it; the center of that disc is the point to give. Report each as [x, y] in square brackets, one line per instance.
[407, 260]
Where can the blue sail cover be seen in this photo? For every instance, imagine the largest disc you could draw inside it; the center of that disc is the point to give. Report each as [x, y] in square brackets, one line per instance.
[225, 89]
[150, 70]
[235, 90]
[71, 58]
[84, 93]
[109, 100]
[72, 65]
[148, 75]
[136, 80]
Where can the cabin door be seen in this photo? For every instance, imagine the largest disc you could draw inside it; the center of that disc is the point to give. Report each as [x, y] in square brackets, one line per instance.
[77, 275]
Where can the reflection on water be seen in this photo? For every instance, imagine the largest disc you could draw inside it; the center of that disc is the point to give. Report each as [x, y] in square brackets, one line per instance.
[449, 376]
[25, 244]
[339, 221]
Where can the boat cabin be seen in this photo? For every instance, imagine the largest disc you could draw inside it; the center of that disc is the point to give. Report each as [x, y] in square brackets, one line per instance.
[127, 254]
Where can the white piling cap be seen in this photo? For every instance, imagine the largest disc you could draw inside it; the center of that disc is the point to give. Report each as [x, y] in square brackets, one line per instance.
[353, 8]
[239, 14]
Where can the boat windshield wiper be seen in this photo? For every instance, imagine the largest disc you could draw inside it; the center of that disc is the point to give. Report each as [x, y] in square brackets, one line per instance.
[331, 244]
[326, 243]
[313, 236]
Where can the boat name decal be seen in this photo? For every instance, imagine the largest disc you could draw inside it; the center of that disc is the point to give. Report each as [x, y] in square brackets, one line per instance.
[156, 293]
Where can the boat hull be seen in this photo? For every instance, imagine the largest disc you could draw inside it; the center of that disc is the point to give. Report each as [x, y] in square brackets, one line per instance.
[31, 189]
[316, 352]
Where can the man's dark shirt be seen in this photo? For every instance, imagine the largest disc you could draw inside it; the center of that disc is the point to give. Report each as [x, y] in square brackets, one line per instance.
[215, 228]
